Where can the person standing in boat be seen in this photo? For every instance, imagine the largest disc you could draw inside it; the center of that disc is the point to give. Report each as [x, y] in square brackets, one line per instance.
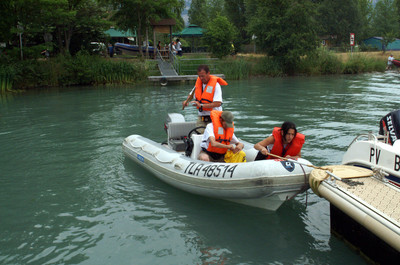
[284, 142]
[219, 137]
[207, 94]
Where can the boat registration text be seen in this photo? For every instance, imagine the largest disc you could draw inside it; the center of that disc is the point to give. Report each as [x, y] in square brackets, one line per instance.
[375, 155]
[206, 170]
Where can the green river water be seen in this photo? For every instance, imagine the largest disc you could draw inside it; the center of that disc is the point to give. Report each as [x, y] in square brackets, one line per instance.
[68, 195]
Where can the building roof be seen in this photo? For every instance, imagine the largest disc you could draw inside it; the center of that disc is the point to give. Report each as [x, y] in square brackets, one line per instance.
[191, 31]
[113, 33]
[378, 38]
[376, 42]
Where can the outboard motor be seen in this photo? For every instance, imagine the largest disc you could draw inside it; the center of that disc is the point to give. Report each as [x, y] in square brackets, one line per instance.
[390, 125]
[173, 117]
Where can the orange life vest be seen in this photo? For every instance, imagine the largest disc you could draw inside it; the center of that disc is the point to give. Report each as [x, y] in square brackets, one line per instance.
[291, 149]
[207, 95]
[223, 136]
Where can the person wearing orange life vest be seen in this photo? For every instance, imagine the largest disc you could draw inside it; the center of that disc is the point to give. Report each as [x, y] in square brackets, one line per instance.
[284, 141]
[219, 137]
[207, 95]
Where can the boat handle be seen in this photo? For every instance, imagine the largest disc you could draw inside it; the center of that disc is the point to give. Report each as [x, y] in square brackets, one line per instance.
[178, 166]
[161, 161]
[137, 146]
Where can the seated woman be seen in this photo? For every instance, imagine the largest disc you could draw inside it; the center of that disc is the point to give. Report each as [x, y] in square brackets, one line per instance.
[284, 142]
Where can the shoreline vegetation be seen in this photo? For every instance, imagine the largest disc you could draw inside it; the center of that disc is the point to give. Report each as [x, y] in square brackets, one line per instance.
[84, 69]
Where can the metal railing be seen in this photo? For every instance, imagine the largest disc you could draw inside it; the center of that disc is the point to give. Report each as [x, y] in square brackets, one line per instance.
[189, 66]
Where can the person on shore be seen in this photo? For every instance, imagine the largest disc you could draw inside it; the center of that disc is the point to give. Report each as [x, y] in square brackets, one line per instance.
[219, 137]
[46, 53]
[110, 50]
[172, 48]
[207, 95]
[285, 141]
[179, 47]
[390, 62]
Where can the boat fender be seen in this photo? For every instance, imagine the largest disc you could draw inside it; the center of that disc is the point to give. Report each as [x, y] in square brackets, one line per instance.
[163, 81]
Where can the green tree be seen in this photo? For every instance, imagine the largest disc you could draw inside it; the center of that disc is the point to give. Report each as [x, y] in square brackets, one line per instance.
[339, 18]
[397, 3]
[60, 18]
[386, 21]
[203, 11]
[220, 34]
[7, 21]
[80, 18]
[365, 8]
[137, 14]
[197, 13]
[23, 14]
[236, 13]
[285, 29]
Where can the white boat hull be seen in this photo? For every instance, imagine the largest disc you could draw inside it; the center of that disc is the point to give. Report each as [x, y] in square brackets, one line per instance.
[264, 184]
[372, 153]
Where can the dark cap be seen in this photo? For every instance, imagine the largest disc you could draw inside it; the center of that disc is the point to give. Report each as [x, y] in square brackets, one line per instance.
[227, 116]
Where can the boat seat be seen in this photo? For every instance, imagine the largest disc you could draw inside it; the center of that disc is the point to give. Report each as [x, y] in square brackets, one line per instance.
[197, 138]
[176, 132]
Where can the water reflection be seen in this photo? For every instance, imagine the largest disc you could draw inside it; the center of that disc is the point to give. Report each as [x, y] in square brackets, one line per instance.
[68, 195]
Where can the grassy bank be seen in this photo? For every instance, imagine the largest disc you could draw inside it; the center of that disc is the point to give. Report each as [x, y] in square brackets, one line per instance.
[321, 63]
[82, 69]
[85, 69]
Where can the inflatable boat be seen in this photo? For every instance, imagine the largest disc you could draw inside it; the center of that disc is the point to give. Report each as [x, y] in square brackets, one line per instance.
[264, 184]
[379, 152]
[131, 49]
[396, 62]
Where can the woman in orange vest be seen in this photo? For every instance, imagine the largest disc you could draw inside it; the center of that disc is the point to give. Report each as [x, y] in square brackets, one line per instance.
[218, 137]
[284, 142]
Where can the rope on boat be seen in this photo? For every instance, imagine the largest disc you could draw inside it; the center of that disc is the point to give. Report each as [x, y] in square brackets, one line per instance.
[295, 161]
[320, 174]
[342, 173]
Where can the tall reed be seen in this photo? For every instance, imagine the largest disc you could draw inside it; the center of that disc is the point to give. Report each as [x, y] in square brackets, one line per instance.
[7, 74]
[320, 62]
[111, 72]
[235, 68]
[360, 64]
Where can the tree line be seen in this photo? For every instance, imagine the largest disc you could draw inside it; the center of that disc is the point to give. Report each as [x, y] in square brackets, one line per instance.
[290, 29]
[287, 30]
[68, 26]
